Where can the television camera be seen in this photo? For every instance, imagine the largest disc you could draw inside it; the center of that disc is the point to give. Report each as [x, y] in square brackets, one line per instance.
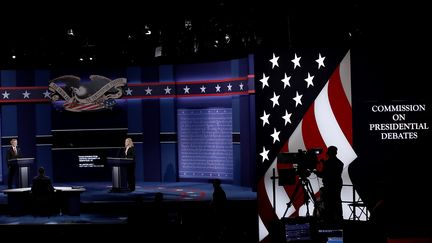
[303, 161]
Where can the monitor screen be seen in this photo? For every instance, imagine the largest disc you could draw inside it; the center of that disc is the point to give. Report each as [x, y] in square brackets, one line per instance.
[297, 232]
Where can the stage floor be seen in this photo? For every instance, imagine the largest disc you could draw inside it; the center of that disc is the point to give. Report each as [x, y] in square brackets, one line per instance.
[100, 206]
[172, 191]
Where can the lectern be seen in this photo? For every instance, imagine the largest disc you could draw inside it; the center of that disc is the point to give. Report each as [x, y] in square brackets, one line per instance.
[119, 173]
[23, 165]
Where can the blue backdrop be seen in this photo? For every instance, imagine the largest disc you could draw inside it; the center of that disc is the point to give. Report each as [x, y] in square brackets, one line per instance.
[148, 111]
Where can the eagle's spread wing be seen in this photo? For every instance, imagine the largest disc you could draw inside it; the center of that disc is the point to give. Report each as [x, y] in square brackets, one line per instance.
[69, 80]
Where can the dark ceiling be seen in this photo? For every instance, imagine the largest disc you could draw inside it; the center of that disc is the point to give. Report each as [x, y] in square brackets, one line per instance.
[123, 34]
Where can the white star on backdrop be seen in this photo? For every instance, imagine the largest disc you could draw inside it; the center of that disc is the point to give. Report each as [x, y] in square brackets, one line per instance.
[218, 88]
[275, 99]
[148, 90]
[264, 81]
[287, 117]
[274, 61]
[167, 90]
[241, 86]
[298, 99]
[296, 61]
[309, 80]
[264, 154]
[186, 89]
[26, 95]
[320, 61]
[265, 118]
[46, 94]
[203, 89]
[5, 95]
[275, 136]
[286, 81]
[128, 91]
[229, 87]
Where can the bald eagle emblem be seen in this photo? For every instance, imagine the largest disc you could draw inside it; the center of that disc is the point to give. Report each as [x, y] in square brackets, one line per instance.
[97, 94]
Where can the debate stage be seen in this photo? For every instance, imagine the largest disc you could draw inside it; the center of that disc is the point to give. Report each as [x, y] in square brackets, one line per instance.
[121, 216]
[98, 193]
[102, 212]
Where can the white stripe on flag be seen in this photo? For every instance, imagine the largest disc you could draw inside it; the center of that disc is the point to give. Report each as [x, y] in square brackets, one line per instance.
[263, 232]
[295, 142]
[345, 76]
[330, 130]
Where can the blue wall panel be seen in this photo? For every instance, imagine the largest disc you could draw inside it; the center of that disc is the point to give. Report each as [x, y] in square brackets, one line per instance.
[9, 120]
[43, 111]
[236, 130]
[247, 159]
[135, 122]
[9, 129]
[8, 78]
[133, 75]
[139, 166]
[151, 140]
[168, 121]
[237, 159]
[169, 165]
[44, 158]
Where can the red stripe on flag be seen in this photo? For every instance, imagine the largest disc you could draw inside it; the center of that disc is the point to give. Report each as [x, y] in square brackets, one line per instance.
[340, 104]
[285, 147]
[311, 134]
[265, 208]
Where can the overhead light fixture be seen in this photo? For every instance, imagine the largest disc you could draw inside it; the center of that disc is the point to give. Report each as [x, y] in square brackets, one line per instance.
[188, 24]
[70, 32]
[196, 45]
[158, 51]
[147, 30]
[227, 38]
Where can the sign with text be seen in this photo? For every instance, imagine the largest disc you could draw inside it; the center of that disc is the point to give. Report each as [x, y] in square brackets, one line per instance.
[398, 121]
[205, 143]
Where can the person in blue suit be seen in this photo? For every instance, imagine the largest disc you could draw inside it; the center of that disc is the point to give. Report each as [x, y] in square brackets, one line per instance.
[13, 152]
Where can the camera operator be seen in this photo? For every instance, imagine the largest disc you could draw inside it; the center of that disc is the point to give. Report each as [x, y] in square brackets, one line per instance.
[331, 175]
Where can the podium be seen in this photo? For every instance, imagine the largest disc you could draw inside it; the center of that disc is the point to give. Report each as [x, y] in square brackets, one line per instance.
[23, 165]
[119, 173]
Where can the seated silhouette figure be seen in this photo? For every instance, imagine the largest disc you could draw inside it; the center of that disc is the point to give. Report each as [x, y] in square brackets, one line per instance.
[43, 195]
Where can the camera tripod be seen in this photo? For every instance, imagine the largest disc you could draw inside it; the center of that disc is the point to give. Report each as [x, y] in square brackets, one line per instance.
[308, 194]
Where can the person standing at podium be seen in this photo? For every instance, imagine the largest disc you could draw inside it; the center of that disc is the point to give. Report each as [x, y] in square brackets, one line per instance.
[129, 152]
[12, 153]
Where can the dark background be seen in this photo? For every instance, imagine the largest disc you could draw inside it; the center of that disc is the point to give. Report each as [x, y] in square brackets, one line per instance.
[390, 60]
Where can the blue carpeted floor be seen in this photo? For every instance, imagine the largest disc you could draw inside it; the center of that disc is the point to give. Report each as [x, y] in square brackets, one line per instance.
[100, 206]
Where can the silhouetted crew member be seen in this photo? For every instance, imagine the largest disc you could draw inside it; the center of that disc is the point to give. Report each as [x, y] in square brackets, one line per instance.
[41, 183]
[43, 194]
[218, 213]
[219, 195]
[331, 175]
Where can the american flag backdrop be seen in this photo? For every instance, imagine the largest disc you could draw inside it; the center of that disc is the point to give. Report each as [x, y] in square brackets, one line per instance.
[303, 101]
